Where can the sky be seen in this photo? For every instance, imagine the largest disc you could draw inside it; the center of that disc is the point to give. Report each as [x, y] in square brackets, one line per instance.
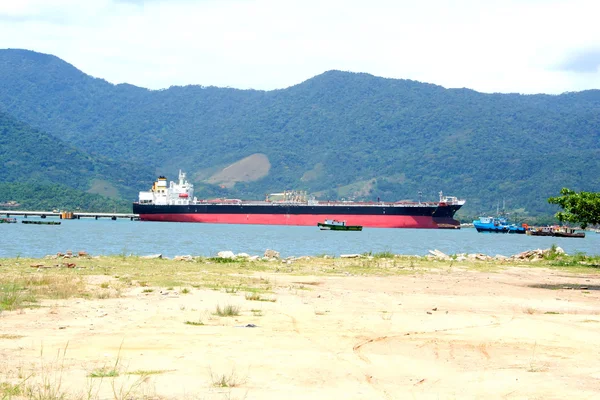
[506, 46]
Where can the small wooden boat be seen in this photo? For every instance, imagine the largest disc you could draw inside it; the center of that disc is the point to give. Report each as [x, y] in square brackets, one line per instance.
[42, 222]
[555, 231]
[333, 225]
[564, 231]
[8, 220]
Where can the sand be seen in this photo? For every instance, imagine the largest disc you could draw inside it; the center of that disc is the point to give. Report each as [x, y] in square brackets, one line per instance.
[441, 334]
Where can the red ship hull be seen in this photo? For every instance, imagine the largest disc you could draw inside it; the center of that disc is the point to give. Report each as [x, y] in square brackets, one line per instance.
[374, 221]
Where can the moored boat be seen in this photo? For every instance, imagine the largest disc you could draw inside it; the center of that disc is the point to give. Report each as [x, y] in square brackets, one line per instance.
[175, 202]
[334, 225]
[8, 220]
[555, 231]
[498, 225]
[42, 222]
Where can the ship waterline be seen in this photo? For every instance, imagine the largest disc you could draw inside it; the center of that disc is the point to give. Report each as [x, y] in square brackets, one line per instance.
[373, 221]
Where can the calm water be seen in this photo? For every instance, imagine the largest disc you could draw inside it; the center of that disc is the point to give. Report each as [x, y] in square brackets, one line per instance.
[106, 237]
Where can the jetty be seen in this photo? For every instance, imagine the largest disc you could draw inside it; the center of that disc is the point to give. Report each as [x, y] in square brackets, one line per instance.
[68, 214]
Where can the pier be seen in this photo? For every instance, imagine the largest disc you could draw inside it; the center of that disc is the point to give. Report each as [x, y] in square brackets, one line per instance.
[68, 215]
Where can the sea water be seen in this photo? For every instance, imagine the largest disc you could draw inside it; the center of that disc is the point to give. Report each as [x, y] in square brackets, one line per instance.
[124, 237]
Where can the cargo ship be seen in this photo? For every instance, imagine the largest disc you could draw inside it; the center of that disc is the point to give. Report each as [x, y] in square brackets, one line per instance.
[175, 202]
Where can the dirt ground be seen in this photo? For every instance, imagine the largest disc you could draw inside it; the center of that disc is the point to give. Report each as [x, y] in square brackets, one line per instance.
[434, 335]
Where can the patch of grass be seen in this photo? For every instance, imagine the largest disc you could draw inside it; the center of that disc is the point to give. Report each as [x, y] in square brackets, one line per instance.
[230, 380]
[104, 285]
[221, 260]
[552, 254]
[147, 290]
[123, 386]
[310, 283]
[126, 280]
[103, 295]
[552, 312]
[8, 390]
[576, 260]
[253, 296]
[233, 289]
[227, 311]
[194, 323]
[384, 254]
[9, 336]
[256, 312]
[125, 389]
[11, 297]
[566, 286]
[108, 372]
[147, 372]
[24, 289]
[104, 373]
[185, 291]
[56, 286]
[381, 254]
[14, 296]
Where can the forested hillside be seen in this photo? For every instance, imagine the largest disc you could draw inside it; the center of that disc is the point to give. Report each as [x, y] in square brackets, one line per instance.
[33, 159]
[46, 197]
[338, 134]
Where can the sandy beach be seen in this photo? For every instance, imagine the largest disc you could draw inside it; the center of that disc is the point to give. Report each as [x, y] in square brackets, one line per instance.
[442, 332]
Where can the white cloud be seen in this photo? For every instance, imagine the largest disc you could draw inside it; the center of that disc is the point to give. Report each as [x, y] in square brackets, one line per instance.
[490, 46]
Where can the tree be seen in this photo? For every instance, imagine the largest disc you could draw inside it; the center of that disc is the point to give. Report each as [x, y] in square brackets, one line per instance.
[582, 207]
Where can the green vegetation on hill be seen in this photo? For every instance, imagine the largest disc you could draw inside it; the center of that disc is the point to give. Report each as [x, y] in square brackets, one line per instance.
[338, 134]
[36, 196]
[29, 155]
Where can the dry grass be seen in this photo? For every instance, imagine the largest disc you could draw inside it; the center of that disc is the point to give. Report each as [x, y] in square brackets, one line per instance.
[530, 310]
[144, 372]
[229, 380]
[104, 373]
[253, 296]
[194, 323]
[9, 336]
[47, 382]
[12, 390]
[23, 290]
[21, 286]
[227, 311]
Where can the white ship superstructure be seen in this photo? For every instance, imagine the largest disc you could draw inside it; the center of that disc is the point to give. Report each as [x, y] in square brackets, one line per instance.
[176, 193]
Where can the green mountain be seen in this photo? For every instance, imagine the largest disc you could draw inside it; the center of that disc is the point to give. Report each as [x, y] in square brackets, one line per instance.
[32, 159]
[338, 134]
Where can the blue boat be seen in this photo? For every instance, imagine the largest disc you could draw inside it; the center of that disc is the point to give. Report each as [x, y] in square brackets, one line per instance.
[497, 224]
